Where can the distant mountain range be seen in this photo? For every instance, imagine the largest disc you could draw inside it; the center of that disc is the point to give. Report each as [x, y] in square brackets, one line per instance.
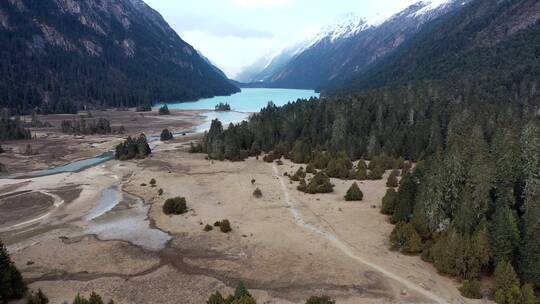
[60, 55]
[493, 48]
[347, 48]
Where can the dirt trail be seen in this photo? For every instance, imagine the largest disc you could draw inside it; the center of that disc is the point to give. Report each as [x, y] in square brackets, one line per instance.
[346, 249]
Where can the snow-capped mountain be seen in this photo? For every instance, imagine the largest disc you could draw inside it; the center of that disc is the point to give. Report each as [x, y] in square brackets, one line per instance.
[350, 46]
[344, 27]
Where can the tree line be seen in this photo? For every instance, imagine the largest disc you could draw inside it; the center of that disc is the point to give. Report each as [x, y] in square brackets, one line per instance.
[13, 129]
[84, 127]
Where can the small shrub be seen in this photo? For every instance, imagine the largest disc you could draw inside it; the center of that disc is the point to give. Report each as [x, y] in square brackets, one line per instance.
[257, 193]
[143, 185]
[208, 228]
[160, 192]
[153, 182]
[225, 226]
[300, 173]
[354, 193]
[241, 296]
[217, 224]
[302, 186]
[253, 181]
[311, 169]
[471, 289]
[320, 300]
[166, 135]
[175, 206]
[38, 298]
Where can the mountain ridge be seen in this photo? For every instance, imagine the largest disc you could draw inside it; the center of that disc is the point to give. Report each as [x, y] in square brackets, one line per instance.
[61, 55]
[352, 45]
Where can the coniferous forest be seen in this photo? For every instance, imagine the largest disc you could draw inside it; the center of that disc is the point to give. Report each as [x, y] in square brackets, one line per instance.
[468, 119]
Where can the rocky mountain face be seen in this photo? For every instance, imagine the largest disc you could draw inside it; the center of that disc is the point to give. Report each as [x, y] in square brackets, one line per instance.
[493, 46]
[59, 55]
[353, 45]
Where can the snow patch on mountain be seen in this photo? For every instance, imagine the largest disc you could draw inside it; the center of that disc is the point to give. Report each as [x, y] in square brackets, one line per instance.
[432, 5]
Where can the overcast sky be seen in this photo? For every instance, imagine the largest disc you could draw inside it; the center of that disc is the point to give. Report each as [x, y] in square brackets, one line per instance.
[235, 33]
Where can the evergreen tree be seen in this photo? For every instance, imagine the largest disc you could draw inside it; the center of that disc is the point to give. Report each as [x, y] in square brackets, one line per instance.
[527, 294]
[12, 285]
[405, 200]
[320, 300]
[166, 135]
[175, 206]
[389, 202]
[504, 235]
[392, 181]
[38, 298]
[354, 193]
[471, 289]
[216, 298]
[80, 300]
[320, 183]
[95, 299]
[507, 288]
[405, 239]
[241, 291]
[164, 110]
[530, 249]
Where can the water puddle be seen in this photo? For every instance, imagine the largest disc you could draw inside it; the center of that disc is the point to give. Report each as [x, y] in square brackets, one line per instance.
[110, 197]
[120, 216]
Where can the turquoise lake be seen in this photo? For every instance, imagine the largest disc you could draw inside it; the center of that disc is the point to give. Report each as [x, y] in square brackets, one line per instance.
[249, 100]
[243, 103]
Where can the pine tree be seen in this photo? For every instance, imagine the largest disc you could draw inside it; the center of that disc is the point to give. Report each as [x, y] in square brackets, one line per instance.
[530, 250]
[405, 200]
[241, 291]
[18, 287]
[389, 202]
[405, 239]
[12, 285]
[507, 289]
[320, 183]
[471, 289]
[38, 298]
[392, 181]
[354, 193]
[504, 235]
[320, 300]
[527, 294]
[80, 300]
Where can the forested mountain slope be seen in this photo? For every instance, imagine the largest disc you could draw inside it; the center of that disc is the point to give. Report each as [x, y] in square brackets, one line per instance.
[489, 45]
[58, 55]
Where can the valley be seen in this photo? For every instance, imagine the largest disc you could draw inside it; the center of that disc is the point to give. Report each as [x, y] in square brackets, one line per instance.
[284, 246]
[391, 155]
